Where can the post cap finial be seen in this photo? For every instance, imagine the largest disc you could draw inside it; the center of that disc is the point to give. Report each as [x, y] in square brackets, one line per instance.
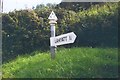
[52, 17]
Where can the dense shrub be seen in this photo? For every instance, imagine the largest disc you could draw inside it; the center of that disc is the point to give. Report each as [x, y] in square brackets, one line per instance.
[27, 30]
[98, 26]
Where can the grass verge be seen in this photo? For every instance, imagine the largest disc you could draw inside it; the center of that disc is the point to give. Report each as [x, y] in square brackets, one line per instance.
[69, 63]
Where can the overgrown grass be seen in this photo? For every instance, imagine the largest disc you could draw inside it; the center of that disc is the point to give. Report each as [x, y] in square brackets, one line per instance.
[74, 62]
[0, 72]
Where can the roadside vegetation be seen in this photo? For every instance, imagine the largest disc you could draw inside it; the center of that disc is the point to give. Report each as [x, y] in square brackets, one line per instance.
[69, 63]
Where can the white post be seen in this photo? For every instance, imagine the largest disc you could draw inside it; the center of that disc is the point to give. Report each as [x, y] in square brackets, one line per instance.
[52, 48]
[52, 23]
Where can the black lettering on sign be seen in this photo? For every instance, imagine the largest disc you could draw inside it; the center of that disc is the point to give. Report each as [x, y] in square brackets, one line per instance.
[61, 39]
[70, 38]
[57, 40]
[65, 38]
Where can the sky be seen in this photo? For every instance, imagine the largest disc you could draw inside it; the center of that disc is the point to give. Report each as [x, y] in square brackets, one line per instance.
[10, 5]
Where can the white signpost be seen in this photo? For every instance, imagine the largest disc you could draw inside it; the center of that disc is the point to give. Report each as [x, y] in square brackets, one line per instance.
[52, 17]
[58, 40]
[52, 22]
[63, 39]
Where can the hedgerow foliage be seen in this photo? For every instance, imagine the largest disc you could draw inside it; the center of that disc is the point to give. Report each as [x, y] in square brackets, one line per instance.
[27, 30]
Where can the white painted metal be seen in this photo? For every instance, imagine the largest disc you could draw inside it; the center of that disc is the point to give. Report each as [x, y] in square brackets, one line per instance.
[63, 39]
[53, 16]
[52, 22]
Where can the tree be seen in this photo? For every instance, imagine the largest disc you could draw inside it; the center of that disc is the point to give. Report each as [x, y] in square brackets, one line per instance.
[77, 6]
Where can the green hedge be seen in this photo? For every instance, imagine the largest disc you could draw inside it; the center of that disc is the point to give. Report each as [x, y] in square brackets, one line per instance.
[25, 31]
